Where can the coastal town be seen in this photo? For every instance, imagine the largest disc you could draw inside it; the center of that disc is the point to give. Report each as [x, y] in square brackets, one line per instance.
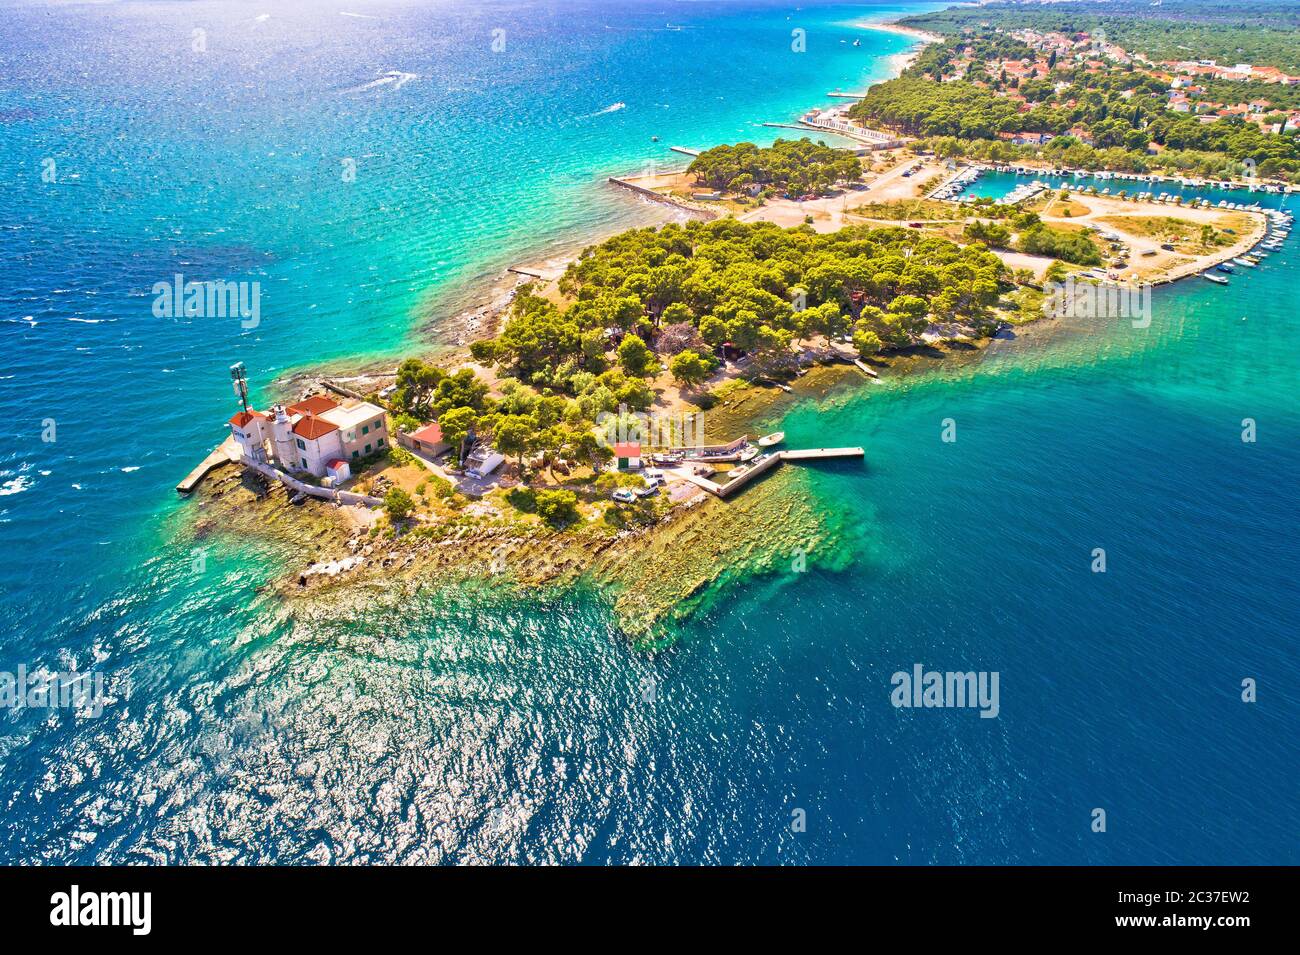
[1188, 91]
[852, 249]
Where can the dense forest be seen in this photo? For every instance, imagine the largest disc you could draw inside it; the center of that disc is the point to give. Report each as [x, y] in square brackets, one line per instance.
[796, 166]
[919, 106]
[751, 286]
[1262, 32]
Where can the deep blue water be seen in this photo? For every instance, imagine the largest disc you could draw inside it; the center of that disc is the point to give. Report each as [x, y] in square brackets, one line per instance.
[472, 726]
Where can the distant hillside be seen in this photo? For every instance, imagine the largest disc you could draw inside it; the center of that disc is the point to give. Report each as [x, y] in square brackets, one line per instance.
[1261, 32]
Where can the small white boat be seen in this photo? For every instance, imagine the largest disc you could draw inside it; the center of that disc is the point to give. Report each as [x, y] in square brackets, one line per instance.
[776, 437]
[748, 454]
[1216, 279]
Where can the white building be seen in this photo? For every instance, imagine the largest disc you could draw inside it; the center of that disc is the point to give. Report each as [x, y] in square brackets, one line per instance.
[482, 462]
[251, 430]
[362, 429]
[316, 435]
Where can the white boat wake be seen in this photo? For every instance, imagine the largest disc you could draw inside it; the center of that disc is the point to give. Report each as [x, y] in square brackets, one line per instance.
[394, 79]
[611, 108]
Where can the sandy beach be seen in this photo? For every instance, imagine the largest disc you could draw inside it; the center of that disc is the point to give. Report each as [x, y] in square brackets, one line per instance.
[885, 27]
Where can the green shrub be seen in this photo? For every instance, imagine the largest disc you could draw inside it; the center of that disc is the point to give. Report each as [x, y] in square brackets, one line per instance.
[557, 508]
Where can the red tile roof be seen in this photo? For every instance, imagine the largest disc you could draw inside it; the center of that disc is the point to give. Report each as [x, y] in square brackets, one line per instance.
[243, 417]
[316, 404]
[627, 449]
[311, 427]
[430, 434]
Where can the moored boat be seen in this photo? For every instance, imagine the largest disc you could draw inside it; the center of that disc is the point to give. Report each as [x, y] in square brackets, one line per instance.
[1216, 279]
[776, 437]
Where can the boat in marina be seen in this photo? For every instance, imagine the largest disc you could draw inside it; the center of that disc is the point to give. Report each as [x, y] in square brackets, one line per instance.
[1245, 262]
[1226, 267]
[776, 437]
[1216, 279]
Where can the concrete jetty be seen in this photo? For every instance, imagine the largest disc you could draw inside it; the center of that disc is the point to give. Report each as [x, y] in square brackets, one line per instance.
[705, 214]
[743, 475]
[814, 454]
[226, 452]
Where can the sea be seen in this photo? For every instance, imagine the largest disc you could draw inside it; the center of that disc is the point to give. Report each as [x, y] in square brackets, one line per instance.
[373, 165]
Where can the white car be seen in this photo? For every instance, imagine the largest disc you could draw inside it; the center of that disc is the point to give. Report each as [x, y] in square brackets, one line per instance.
[624, 496]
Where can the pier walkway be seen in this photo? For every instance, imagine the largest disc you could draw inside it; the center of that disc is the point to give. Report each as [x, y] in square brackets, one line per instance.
[830, 121]
[224, 453]
[814, 454]
[743, 475]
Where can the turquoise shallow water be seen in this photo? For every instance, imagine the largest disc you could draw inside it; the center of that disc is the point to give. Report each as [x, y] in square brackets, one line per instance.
[476, 727]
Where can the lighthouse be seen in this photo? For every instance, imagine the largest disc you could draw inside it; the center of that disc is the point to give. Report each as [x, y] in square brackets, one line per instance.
[282, 439]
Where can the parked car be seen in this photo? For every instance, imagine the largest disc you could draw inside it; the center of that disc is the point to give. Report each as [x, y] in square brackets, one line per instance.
[624, 496]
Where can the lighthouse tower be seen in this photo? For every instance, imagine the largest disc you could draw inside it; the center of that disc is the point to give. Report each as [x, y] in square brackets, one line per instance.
[286, 455]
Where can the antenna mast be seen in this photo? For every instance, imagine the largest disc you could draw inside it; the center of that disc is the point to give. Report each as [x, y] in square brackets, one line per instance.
[239, 381]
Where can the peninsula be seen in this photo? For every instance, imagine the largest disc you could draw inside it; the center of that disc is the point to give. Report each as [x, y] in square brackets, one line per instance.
[571, 443]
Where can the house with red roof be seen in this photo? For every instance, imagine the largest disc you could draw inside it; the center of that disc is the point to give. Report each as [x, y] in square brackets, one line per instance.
[627, 455]
[427, 441]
